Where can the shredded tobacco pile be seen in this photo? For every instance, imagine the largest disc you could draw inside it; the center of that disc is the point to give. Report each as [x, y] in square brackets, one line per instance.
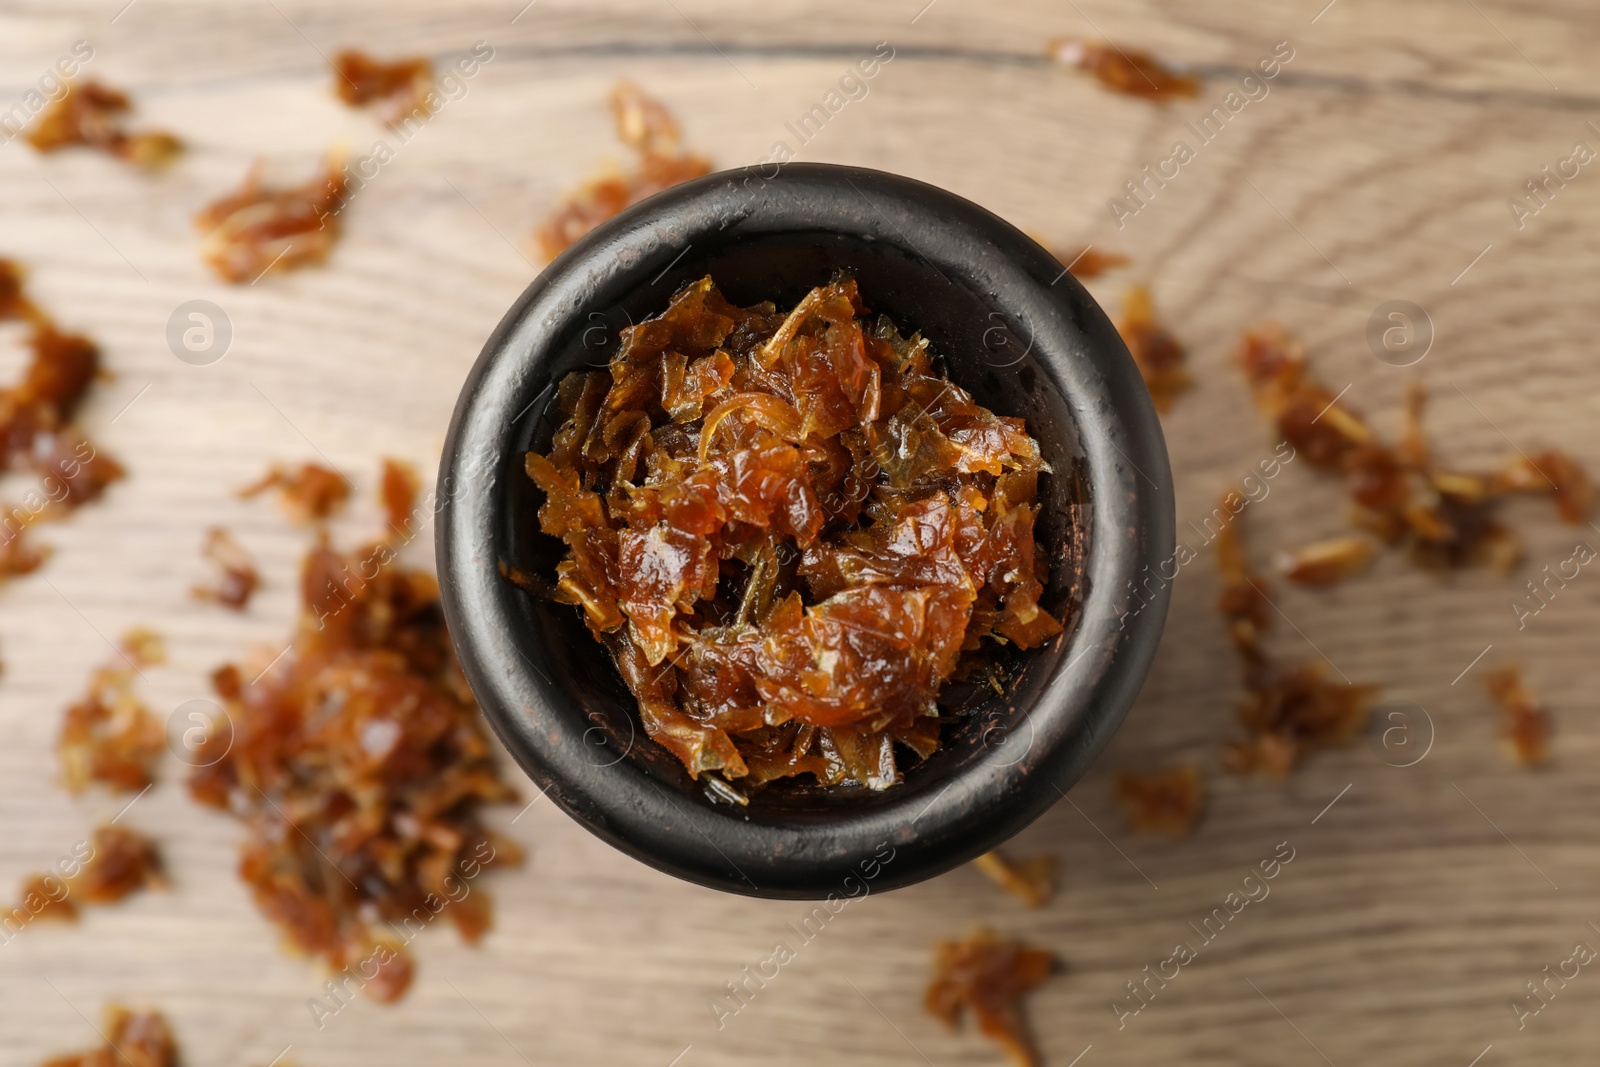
[238, 577]
[358, 764]
[790, 532]
[1032, 881]
[989, 977]
[1168, 801]
[118, 862]
[132, 1039]
[359, 80]
[646, 126]
[1524, 723]
[109, 736]
[259, 229]
[1124, 70]
[1398, 493]
[1287, 710]
[1159, 356]
[91, 114]
[37, 430]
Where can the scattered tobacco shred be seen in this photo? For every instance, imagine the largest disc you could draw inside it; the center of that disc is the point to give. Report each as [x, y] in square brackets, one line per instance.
[989, 977]
[37, 431]
[1168, 801]
[309, 493]
[1033, 880]
[790, 532]
[239, 578]
[1287, 710]
[398, 487]
[123, 862]
[259, 229]
[92, 114]
[1525, 724]
[646, 126]
[359, 80]
[358, 763]
[1124, 70]
[1086, 262]
[1328, 562]
[1159, 355]
[1555, 473]
[132, 1039]
[1399, 493]
[120, 862]
[43, 896]
[109, 736]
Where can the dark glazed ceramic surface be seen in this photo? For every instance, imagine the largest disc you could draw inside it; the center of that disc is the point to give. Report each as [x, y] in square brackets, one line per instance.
[1014, 329]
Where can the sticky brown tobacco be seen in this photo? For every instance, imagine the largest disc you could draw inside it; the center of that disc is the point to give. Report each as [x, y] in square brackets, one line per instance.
[397, 489]
[1524, 723]
[237, 578]
[259, 228]
[117, 862]
[91, 114]
[309, 493]
[1124, 70]
[1286, 711]
[989, 977]
[1032, 880]
[359, 765]
[132, 1039]
[646, 126]
[1328, 562]
[360, 80]
[1168, 801]
[38, 431]
[1446, 519]
[109, 736]
[790, 532]
[1159, 356]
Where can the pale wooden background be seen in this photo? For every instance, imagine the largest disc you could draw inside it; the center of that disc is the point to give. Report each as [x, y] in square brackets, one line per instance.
[1391, 142]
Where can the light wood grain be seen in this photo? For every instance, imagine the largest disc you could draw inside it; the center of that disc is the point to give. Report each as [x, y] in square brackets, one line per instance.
[1381, 162]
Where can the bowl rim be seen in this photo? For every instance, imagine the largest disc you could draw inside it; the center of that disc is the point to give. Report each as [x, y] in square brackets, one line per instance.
[1131, 533]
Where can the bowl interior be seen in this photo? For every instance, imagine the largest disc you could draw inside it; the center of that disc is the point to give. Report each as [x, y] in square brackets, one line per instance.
[978, 348]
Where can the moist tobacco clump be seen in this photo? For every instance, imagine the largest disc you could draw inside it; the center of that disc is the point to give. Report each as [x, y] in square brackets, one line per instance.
[790, 532]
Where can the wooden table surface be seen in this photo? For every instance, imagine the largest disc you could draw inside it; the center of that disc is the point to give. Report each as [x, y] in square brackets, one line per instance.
[1378, 167]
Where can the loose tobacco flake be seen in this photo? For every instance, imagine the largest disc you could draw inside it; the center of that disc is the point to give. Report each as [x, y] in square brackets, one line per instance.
[238, 579]
[1124, 70]
[646, 126]
[989, 977]
[1524, 722]
[92, 114]
[1328, 562]
[109, 736]
[1032, 881]
[119, 861]
[1168, 801]
[37, 430]
[132, 1039]
[1159, 356]
[259, 229]
[309, 493]
[360, 80]
[790, 533]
